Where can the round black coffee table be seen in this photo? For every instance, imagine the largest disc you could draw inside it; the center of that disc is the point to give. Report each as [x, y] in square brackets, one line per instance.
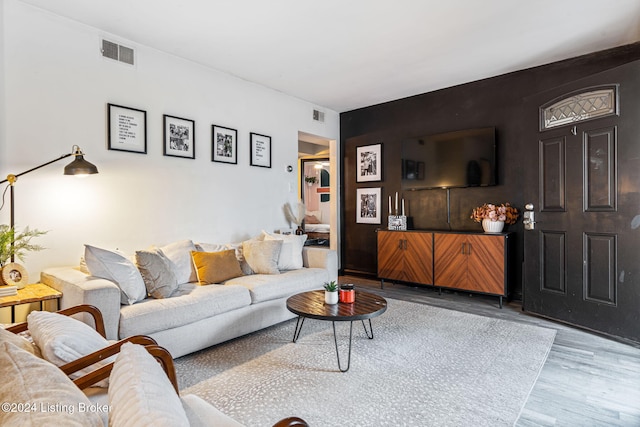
[311, 304]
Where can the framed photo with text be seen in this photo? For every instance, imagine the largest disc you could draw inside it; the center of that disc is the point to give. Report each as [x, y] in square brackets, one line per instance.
[179, 137]
[368, 208]
[224, 145]
[369, 163]
[260, 150]
[127, 129]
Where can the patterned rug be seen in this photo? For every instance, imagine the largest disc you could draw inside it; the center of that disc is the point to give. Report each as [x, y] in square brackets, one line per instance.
[426, 366]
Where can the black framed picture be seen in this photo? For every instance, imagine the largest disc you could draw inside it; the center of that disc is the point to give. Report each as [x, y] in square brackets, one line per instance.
[127, 129]
[179, 137]
[224, 144]
[260, 150]
[369, 163]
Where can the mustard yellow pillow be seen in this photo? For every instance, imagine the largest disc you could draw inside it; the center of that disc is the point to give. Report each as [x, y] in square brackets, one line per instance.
[216, 267]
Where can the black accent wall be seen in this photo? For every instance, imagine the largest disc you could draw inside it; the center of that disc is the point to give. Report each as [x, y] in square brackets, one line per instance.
[495, 102]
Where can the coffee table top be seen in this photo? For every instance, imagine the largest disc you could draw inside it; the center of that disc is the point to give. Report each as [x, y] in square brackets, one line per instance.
[311, 304]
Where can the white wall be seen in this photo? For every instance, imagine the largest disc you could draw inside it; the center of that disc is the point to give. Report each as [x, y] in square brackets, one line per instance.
[57, 86]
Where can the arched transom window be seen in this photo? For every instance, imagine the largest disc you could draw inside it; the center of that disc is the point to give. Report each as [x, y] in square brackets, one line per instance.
[579, 106]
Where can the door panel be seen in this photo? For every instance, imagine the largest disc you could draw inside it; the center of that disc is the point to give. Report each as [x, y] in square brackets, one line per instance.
[390, 257]
[450, 260]
[581, 262]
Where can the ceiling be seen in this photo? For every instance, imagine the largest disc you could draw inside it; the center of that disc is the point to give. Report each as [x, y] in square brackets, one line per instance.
[347, 54]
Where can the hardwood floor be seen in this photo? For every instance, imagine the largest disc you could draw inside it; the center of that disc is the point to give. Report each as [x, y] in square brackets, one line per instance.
[587, 380]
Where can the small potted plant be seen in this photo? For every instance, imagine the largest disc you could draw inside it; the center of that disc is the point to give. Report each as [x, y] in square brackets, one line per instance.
[310, 180]
[331, 292]
[15, 245]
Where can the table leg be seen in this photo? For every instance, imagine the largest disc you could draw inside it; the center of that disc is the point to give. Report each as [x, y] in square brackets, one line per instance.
[370, 331]
[299, 323]
[13, 314]
[335, 340]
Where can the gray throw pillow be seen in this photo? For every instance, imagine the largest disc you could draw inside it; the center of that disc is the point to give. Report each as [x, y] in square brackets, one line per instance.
[157, 273]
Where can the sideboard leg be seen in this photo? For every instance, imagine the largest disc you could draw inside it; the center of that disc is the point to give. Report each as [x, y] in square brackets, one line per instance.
[381, 283]
[500, 301]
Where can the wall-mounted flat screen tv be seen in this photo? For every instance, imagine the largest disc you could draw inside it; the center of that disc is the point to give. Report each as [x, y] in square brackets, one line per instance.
[465, 158]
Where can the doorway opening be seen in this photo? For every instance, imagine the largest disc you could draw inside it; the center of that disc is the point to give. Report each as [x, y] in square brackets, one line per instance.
[317, 185]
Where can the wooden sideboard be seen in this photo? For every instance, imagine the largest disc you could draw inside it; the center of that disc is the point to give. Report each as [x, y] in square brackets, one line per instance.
[468, 261]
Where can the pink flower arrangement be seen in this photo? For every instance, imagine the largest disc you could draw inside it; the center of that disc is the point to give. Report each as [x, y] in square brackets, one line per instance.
[504, 212]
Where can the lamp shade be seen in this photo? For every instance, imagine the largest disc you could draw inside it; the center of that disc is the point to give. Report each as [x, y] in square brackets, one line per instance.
[80, 166]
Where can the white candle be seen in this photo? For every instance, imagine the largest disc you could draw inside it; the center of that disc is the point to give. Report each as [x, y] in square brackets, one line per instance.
[390, 212]
[402, 207]
[396, 203]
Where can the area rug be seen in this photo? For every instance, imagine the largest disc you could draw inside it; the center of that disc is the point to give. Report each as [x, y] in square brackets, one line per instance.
[426, 366]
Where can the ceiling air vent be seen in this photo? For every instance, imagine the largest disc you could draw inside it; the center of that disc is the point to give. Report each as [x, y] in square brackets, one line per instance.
[318, 116]
[117, 52]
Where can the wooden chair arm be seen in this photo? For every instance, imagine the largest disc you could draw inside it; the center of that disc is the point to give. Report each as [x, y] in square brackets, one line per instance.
[291, 422]
[159, 353]
[84, 308]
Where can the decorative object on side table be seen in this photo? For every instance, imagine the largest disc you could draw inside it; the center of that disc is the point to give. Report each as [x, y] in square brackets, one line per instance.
[331, 292]
[494, 217]
[293, 217]
[14, 245]
[397, 222]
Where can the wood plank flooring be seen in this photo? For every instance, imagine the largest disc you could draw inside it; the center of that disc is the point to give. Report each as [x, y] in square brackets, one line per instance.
[587, 380]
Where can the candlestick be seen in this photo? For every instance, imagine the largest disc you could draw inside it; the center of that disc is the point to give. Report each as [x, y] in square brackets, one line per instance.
[390, 212]
[402, 207]
[396, 203]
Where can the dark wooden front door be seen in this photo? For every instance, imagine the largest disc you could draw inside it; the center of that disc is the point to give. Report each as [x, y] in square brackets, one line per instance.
[582, 259]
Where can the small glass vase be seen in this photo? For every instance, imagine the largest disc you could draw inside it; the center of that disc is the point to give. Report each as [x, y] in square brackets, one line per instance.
[492, 226]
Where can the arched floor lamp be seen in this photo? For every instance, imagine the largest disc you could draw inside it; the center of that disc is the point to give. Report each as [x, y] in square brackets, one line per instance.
[79, 166]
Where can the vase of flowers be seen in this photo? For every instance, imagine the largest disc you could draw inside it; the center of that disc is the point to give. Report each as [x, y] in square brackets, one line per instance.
[494, 217]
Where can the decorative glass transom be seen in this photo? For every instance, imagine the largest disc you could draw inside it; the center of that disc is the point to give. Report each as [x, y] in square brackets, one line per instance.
[579, 107]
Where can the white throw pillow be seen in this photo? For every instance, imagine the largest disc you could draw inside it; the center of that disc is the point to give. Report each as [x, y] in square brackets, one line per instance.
[63, 339]
[290, 257]
[119, 269]
[180, 254]
[262, 257]
[42, 393]
[140, 393]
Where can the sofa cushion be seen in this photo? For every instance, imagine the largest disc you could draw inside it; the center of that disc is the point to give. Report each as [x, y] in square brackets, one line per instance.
[157, 272]
[63, 339]
[180, 254]
[116, 267]
[216, 267]
[265, 287]
[290, 257]
[188, 304]
[141, 394]
[20, 342]
[262, 256]
[29, 380]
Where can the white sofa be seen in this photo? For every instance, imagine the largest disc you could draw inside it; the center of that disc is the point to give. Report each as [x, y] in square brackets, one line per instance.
[196, 317]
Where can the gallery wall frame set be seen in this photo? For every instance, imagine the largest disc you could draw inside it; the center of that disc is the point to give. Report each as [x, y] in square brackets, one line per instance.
[127, 131]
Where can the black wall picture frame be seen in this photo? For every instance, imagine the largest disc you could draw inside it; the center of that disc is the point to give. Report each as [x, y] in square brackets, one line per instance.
[260, 150]
[224, 144]
[127, 129]
[179, 137]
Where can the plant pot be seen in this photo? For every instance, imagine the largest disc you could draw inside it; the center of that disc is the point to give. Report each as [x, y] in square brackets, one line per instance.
[331, 297]
[492, 226]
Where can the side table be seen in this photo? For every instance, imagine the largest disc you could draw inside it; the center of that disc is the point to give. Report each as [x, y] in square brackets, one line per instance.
[37, 292]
